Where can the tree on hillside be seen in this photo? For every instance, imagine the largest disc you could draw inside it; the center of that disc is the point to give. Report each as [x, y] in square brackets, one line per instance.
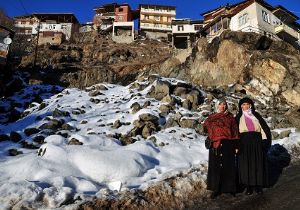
[5, 20]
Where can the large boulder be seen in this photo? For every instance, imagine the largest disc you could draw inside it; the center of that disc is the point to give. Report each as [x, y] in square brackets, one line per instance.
[30, 131]
[149, 117]
[15, 136]
[188, 123]
[293, 116]
[162, 89]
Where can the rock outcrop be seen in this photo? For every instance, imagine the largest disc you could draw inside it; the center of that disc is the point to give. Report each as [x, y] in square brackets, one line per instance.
[263, 66]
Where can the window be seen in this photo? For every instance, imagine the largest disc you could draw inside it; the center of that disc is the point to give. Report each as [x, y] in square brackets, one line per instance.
[157, 18]
[215, 28]
[197, 27]
[243, 19]
[266, 16]
[146, 17]
[51, 27]
[180, 28]
[169, 19]
[120, 9]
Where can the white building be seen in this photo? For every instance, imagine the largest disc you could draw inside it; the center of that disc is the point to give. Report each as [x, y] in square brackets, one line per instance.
[185, 32]
[65, 23]
[123, 32]
[253, 16]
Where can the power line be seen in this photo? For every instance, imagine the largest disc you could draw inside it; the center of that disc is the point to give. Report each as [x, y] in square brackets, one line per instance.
[21, 2]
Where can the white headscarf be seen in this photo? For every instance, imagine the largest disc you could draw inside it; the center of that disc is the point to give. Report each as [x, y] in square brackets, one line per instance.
[219, 101]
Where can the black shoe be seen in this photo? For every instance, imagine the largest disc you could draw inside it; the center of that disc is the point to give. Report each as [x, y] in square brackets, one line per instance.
[214, 195]
[249, 191]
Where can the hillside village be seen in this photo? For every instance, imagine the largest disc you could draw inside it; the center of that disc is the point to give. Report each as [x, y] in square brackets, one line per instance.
[109, 114]
[159, 22]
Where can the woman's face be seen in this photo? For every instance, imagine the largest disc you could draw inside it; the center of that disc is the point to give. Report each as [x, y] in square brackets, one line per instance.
[222, 107]
[245, 106]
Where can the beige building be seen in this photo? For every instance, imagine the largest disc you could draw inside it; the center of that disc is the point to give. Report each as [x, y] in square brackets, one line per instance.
[156, 20]
[55, 38]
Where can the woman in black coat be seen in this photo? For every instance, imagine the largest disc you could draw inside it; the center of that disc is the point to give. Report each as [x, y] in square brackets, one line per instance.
[255, 140]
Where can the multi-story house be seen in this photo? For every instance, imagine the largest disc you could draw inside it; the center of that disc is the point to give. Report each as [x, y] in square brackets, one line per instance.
[123, 25]
[185, 32]
[51, 28]
[253, 16]
[156, 20]
[105, 16]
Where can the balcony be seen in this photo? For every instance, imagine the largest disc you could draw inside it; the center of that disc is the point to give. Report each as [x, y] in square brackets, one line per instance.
[155, 28]
[156, 12]
[287, 33]
[155, 21]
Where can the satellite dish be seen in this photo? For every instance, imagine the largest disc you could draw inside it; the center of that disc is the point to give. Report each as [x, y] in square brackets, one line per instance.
[7, 40]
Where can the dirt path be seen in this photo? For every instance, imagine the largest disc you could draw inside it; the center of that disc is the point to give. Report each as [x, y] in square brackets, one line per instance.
[285, 194]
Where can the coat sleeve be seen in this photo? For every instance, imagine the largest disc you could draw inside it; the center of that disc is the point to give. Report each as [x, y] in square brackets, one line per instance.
[235, 133]
[267, 143]
[264, 126]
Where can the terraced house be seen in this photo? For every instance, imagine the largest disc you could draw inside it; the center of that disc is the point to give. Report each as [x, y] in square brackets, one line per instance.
[257, 16]
[156, 20]
[51, 28]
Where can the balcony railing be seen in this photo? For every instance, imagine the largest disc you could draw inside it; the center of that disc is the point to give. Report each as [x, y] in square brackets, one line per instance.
[287, 29]
[152, 11]
[156, 28]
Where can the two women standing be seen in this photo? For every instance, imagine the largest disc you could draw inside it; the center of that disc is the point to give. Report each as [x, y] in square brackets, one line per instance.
[224, 174]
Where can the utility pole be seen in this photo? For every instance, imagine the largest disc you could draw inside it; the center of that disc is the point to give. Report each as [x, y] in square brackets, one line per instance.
[37, 44]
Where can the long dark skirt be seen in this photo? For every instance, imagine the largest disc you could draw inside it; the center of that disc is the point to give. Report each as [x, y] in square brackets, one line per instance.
[222, 171]
[253, 169]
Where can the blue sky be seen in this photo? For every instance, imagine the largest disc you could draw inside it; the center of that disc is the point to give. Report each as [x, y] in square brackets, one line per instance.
[83, 9]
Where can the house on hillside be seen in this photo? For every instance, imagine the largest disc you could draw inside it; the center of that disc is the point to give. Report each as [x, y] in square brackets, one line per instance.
[123, 26]
[52, 28]
[104, 17]
[118, 18]
[185, 32]
[5, 20]
[253, 16]
[156, 20]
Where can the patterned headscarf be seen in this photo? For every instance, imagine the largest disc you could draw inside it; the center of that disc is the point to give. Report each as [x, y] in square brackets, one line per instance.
[219, 101]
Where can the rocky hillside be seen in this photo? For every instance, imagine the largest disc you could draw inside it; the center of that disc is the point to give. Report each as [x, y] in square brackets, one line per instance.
[92, 58]
[252, 64]
[264, 67]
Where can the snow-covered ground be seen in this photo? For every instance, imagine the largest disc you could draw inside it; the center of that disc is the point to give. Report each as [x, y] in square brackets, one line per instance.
[58, 172]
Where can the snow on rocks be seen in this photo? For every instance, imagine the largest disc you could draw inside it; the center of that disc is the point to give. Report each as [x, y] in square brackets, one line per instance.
[144, 137]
